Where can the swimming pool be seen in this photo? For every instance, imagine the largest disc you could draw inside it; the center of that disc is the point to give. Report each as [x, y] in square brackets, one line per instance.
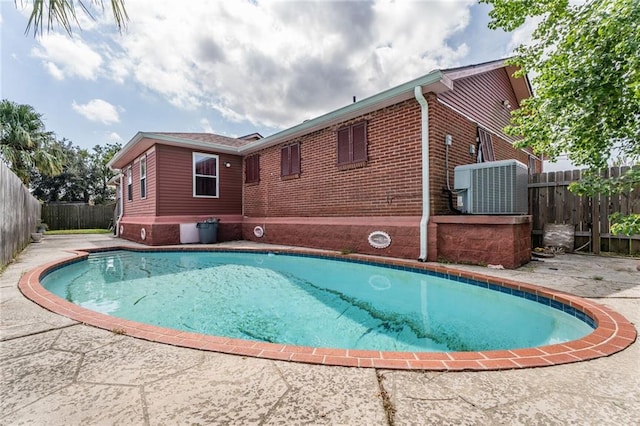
[311, 301]
[395, 315]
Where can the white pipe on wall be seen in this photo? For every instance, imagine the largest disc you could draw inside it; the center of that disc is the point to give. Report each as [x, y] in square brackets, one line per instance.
[120, 206]
[426, 206]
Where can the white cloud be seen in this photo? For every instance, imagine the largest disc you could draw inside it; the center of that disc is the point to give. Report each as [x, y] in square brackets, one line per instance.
[98, 110]
[206, 126]
[71, 57]
[522, 35]
[54, 70]
[272, 64]
[114, 137]
[278, 63]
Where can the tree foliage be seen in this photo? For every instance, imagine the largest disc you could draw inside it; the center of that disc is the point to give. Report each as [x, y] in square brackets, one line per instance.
[100, 173]
[84, 178]
[586, 74]
[25, 145]
[63, 13]
[53, 170]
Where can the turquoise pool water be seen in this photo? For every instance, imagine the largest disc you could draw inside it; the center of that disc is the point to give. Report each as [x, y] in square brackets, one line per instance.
[309, 301]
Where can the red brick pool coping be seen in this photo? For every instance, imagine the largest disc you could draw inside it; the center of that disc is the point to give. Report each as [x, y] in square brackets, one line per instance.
[613, 333]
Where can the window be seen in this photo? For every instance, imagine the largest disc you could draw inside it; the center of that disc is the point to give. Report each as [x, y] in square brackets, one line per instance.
[486, 146]
[129, 184]
[352, 144]
[143, 177]
[205, 175]
[290, 160]
[252, 169]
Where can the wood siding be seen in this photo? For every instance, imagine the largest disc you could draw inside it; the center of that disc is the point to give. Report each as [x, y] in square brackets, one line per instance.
[480, 97]
[138, 206]
[174, 177]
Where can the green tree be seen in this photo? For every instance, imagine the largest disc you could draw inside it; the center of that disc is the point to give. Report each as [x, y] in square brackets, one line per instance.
[586, 74]
[63, 12]
[84, 178]
[25, 145]
[100, 173]
[72, 185]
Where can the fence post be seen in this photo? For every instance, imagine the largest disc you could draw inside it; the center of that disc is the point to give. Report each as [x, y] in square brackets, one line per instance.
[595, 224]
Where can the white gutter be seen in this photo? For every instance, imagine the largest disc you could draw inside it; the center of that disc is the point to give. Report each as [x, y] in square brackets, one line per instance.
[426, 206]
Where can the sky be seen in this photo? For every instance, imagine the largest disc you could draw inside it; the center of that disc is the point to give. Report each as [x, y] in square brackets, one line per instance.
[231, 67]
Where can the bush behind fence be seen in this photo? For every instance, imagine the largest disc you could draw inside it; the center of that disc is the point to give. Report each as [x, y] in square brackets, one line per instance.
[77, 216]
[19, 215]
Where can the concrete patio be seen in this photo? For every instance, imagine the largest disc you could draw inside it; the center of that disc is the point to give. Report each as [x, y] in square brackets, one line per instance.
[58, 371]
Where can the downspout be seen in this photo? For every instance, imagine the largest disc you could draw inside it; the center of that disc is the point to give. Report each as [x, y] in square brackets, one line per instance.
[121, 205]
[424, 110]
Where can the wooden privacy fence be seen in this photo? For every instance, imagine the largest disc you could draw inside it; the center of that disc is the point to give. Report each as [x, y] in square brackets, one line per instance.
[19, 214]
[551, 202]
[77, 216]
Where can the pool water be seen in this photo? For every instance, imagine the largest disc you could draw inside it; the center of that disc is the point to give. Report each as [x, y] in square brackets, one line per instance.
[308, 301]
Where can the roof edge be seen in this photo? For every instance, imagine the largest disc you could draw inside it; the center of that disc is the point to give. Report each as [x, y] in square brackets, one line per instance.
[172, 140]
[124, 150]
[436, 80]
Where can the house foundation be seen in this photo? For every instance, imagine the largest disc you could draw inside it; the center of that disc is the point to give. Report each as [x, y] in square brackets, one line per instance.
[171, 230]
[480, 240]
[343, 234]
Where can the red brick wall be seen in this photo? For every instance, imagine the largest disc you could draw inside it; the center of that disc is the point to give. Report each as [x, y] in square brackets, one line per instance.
[389, 185]
[347, 234]
[444, 121]
[480, 240]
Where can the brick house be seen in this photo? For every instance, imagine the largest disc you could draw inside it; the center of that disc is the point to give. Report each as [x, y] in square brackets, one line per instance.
[377, 168]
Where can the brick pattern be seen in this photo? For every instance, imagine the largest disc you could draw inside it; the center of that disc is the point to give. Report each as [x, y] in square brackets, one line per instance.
[613, 333]
[444, 121]
[471, 240]
[341, 234]
[388, 185]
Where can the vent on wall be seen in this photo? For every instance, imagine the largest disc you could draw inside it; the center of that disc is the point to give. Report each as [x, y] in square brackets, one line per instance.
[495, 187]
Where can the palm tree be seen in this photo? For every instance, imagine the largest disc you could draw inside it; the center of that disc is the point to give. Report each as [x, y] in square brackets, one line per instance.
[63, 12]
[25, 145]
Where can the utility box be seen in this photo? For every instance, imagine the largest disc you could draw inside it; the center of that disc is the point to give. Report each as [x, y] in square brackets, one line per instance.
[208, 231]
[494, 187]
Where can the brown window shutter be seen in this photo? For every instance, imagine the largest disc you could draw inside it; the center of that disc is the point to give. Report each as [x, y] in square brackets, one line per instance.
[284, 161]
[359, 137]
[252, 169]
[486, 145]
[294, 156]
[256, 168]
[344, 146]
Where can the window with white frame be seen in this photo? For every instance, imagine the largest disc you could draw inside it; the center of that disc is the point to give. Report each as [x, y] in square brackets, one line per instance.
[143, 177]
[205, 175]
[129, 184]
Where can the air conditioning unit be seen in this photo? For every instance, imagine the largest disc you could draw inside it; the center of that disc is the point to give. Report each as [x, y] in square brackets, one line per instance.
[495, 187]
